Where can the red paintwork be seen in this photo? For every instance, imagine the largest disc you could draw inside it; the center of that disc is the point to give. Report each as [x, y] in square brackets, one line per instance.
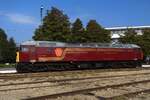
[105, 55]
[23, 56]
[82, 54]
[45, 52]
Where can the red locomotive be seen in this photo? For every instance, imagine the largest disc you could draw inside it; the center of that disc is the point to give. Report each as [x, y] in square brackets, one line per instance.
[43, 56]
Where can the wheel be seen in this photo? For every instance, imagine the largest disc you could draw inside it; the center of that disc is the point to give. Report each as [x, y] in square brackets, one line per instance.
[138, 64]
[23, 68]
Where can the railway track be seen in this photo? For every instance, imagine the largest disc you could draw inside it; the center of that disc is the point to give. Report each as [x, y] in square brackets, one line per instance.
[72, 79]
[58, 73]
[84, 91]
[128, 94]
[72, 84]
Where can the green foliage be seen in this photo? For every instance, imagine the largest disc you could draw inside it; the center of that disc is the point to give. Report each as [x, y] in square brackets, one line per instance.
[55, 27]
[3, 35]
[95, 33]
[7, 48]
[130, 37]
[142, 40]
[3, 45]
[12, 50]
[78, 32]
[77, 27]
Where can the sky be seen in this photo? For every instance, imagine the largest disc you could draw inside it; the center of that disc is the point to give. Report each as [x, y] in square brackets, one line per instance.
[20, 18]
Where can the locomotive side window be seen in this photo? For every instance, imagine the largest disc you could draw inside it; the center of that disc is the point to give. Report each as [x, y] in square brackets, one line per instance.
[47, 44]
[50, 50]
[25, 49]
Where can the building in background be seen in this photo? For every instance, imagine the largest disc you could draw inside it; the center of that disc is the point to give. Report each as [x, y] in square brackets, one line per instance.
[116, 32]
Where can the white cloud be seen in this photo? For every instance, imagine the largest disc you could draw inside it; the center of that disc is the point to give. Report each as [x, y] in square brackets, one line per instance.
[20, 18]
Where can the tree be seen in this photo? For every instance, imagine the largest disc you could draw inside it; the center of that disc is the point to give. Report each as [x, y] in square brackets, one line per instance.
[95, 33]
[77, 31]
[3, 35]
[77, 27]
[12, 50]
[143, 41]
[3, 46]
[56, 27]
[7, 48]
[130, 37]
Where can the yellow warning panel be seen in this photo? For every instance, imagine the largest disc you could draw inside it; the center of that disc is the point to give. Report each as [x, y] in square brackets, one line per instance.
[17, 56]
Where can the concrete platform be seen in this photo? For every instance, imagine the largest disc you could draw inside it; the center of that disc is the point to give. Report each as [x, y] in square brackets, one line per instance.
[8, 70]
[145, 66]
[13, 70]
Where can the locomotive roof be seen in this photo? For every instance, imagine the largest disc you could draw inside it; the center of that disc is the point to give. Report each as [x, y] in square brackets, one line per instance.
[92, 45]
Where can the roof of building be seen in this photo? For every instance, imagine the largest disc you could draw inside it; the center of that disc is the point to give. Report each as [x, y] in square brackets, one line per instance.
[130, 27]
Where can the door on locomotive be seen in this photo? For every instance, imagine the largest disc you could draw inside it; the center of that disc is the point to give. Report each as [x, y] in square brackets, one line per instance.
[32, 54]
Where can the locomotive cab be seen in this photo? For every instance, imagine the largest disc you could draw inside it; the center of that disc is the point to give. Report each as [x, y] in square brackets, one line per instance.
[26, 54]
[32, 51]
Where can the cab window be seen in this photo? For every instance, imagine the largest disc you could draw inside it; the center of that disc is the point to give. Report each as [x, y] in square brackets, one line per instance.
[25, 49]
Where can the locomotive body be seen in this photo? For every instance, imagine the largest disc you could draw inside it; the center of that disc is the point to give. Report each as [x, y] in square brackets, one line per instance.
[44, 55]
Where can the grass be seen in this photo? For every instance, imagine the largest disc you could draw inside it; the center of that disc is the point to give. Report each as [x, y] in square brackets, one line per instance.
[7, 65]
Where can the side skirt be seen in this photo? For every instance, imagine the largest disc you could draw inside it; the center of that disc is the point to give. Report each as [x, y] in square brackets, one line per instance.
[60, 66]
